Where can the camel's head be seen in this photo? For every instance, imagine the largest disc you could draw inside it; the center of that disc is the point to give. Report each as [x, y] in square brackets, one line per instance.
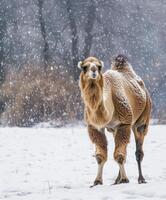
[91, 68]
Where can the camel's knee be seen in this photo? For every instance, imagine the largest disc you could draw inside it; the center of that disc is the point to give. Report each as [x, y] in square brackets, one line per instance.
[120, 158]
[101, 154]
[101, 158]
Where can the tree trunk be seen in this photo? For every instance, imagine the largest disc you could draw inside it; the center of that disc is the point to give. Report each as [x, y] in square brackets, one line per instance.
[74, 40]
[46, 57]
[91, 17]
[2, 35]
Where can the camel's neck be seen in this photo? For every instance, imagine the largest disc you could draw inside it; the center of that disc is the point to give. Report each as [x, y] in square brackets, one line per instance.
[96, 113]
[93, 94]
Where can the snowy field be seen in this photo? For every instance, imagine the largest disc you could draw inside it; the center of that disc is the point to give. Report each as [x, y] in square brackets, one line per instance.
[47, 163]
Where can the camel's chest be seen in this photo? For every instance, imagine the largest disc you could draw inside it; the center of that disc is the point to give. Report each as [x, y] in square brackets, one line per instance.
[99, 119]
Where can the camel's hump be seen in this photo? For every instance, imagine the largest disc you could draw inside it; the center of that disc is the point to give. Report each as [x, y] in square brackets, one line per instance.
[121, 64]
[120, 61]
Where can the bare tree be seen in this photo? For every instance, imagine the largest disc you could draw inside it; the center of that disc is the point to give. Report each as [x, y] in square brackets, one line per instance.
[74, 39]
[46, 56]
[91, 17]
[89, 23]
[2, 36]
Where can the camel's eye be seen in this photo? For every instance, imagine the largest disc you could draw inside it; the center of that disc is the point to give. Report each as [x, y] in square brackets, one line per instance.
[99, 67]
[84, 69]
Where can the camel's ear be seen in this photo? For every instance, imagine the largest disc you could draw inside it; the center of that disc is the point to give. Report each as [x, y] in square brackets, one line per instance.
[79, 65]
[102, 64]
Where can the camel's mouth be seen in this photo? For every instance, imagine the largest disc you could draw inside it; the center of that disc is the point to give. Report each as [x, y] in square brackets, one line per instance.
[93, 75]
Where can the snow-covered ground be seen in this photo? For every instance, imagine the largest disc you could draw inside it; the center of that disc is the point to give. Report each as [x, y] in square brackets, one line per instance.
[47, 163]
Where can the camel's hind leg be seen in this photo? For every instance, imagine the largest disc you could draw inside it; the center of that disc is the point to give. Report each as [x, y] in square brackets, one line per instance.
[139, 133]
[122, 138]
[99, 139]
[140, 129]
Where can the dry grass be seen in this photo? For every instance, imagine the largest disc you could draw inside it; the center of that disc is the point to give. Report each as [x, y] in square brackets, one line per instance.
[33, 96]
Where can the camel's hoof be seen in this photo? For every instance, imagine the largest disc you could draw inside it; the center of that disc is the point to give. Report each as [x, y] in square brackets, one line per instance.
[96, 182]
[141, 180]
[123, 180]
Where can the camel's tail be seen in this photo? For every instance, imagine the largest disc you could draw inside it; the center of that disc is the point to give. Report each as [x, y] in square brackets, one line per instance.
[120, 61]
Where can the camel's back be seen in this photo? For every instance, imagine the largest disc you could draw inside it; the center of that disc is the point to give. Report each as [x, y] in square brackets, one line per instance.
[127, 92]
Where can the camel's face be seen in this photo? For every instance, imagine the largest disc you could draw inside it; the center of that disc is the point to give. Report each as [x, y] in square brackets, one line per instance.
[91, 68]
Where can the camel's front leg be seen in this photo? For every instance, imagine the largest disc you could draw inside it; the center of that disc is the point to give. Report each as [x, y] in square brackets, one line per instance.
[121, 140]
[99, 139]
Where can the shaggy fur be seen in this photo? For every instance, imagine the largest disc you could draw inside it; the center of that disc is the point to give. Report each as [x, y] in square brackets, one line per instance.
[118, 101]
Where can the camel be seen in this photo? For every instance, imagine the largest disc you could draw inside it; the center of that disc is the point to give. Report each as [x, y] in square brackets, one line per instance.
[116, 101]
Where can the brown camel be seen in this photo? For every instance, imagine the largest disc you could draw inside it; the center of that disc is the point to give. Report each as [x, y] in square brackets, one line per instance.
[118, 101]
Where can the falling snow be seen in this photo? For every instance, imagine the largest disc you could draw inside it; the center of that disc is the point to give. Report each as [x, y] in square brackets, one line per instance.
[57, 34]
